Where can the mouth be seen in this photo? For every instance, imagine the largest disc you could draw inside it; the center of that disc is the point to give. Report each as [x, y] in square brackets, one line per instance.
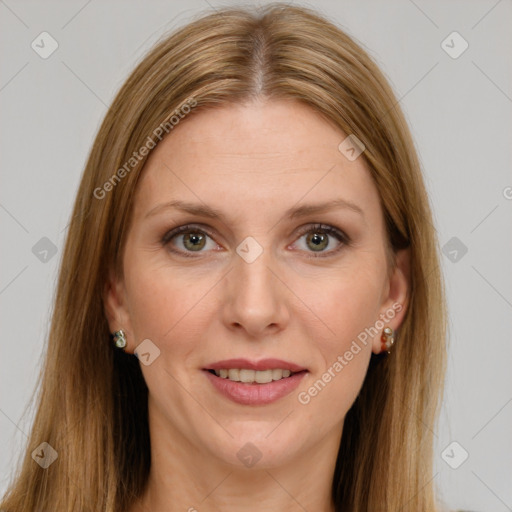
[254, 383]
[248, 376]
[250, 372]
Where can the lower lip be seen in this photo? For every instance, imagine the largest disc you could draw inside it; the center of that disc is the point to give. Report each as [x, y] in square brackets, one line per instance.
[255, 394]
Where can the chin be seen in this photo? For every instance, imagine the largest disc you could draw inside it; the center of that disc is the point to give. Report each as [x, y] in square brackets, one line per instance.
[258, 446]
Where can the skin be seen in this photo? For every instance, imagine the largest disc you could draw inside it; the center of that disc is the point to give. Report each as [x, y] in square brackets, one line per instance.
[252, 162]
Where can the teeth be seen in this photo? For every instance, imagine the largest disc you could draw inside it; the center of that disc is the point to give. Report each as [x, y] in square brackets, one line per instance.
[251, 376]
[277, 374]
[233, 374]
[263, 377]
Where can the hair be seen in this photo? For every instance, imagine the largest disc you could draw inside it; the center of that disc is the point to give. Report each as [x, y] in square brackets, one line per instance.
[92, 401]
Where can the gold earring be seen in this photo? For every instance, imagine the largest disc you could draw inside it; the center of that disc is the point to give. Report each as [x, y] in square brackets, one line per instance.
[387, 339]
[120, 339]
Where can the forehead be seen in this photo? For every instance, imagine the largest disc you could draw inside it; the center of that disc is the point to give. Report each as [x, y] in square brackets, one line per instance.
[251, 156]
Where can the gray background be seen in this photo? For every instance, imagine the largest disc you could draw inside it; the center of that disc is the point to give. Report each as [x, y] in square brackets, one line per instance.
[460, 113]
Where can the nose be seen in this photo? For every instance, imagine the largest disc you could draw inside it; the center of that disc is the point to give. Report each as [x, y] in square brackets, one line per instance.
[256, 299]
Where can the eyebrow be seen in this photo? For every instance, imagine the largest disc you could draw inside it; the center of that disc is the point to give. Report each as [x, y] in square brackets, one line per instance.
[203, 210]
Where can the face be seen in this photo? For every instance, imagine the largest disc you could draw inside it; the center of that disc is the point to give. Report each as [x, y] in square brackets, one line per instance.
[274, 249]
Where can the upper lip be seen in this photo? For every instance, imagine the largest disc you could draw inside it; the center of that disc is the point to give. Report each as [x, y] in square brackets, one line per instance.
[262, 364]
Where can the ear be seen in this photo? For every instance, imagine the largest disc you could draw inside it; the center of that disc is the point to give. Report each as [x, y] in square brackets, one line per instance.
[115, 306]
[396, 298]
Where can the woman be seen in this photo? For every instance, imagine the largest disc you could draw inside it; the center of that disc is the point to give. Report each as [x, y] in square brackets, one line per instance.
[250, 311]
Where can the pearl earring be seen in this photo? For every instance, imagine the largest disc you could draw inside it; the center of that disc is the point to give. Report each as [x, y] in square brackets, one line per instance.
[120, 339]
[387, 339]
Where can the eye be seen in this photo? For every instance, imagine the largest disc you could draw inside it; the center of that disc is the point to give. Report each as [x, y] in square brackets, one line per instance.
[188, 239]
[319, 237]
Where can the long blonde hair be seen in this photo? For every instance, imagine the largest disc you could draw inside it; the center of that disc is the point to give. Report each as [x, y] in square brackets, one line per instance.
[92, 402]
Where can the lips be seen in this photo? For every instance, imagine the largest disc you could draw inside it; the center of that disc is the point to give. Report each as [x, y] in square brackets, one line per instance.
[263, 364]
[255, 393]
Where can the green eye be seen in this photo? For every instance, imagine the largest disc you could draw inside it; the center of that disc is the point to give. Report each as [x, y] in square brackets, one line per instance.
[317, 239]
[194, 241]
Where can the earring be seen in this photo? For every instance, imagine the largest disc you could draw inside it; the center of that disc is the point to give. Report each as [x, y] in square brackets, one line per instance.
[387, 339]
[120, 339]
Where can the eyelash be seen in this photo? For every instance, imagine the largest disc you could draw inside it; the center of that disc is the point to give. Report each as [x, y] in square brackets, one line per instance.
[324, 228]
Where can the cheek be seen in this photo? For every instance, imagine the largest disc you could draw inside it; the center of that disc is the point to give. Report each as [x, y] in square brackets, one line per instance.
[153, 306]
[348, 306]
[346, 302]
[164, 299]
